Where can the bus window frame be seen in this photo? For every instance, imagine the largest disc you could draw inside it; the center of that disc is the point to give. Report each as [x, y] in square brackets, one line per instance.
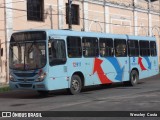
[126, 50]
[80, 47]
[64, 60]
[129, 54]
[144, 48]
[104, 48]
[96, 49]
[151, 49]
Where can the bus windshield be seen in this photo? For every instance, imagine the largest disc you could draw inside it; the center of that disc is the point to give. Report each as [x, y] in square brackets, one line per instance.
[27, 55]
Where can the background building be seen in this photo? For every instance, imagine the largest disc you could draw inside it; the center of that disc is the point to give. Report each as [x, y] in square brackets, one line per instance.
[133, 17]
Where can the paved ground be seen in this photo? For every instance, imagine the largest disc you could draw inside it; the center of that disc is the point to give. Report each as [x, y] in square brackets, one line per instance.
[143, 97]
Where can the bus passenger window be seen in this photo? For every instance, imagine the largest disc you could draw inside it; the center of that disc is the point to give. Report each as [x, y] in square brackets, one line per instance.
[133, 48]
[74, 47]
[144, 48]
[86, 45]
[106, 47]
[102, 50]
[58, 53]
[90, 47]
[120, 48]
[153, 49]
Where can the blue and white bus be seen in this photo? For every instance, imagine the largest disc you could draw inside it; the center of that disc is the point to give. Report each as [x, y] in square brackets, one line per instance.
[46, 60]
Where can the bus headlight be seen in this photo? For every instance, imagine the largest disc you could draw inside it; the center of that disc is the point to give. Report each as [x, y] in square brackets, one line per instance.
[11, 78]
[41, 77]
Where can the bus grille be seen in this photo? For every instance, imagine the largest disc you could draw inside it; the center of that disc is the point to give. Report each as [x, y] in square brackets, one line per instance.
[25, 74]
[25, 85]
[26, 80]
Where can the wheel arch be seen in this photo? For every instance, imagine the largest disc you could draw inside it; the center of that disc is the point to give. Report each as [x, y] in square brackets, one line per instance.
[136, 69]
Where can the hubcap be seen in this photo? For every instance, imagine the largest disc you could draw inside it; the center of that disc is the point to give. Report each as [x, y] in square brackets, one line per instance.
[75, 85]
[134, 78]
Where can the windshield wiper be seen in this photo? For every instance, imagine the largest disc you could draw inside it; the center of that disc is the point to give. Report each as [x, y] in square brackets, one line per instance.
[29, 50]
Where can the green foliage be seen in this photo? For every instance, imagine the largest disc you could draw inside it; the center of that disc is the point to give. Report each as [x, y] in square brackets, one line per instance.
[4, 89]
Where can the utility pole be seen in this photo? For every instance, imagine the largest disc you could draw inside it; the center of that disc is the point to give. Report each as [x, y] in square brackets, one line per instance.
[149, 19]
[70, 14]
[8, 22]
[135, 21]
[133, 4]
[51, 18]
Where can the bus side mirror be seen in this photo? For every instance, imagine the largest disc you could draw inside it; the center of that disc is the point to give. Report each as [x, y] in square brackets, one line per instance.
[49, 48]
[49, 45]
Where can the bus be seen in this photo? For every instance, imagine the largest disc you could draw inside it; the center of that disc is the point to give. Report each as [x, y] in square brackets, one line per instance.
[46, 60]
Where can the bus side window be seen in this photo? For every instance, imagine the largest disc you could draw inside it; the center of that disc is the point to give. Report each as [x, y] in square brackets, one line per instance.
[50, 51]
[120, 48]
[58, 53]
[74, 47]
[133, 48]
[153, 49]
[106, 47]
[144, 48]
[53, 50]
[86, 45]
[90, 47]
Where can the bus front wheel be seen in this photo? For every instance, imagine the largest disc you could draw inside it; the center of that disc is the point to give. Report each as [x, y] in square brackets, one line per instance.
[75, 85]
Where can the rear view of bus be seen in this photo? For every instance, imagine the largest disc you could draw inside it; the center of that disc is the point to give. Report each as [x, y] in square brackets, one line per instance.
[27, 60]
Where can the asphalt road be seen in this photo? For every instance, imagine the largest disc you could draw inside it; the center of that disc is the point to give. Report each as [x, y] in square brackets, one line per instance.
[143, 97]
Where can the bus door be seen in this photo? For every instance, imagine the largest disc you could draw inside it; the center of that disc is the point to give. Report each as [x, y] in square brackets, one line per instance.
[121, 61]
[57, 63]
[133, 53]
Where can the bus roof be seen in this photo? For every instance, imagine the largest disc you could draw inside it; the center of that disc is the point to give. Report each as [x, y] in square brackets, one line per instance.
[52, 32]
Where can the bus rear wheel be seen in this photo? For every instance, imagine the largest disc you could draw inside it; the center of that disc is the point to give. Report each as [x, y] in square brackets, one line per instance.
[133, 78]
[75, 85]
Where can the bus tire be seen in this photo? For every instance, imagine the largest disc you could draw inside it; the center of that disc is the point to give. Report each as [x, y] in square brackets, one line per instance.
[133, 78]
[75, 85]
[43, 93]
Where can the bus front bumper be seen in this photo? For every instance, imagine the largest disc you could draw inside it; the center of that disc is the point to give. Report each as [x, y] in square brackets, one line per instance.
[31, 86]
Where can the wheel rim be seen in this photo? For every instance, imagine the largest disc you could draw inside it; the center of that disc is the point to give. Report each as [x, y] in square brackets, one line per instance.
[75, 85]
[134, 78]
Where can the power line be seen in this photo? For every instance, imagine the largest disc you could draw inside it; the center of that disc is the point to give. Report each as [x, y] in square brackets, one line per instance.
[25, 10]
[15, 17]
[13, 2]
[65, 15]
[14, 9]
